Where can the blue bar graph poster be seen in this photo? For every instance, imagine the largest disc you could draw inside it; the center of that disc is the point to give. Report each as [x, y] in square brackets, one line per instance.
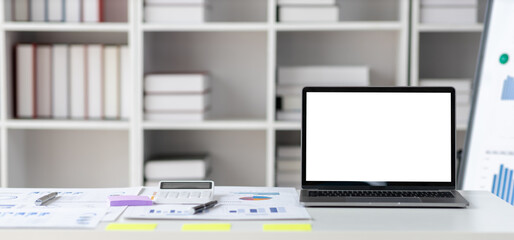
[502, 184]
[508, 89]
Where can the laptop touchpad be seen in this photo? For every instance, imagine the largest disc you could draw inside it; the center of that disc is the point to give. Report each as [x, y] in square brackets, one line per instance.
[385, 199]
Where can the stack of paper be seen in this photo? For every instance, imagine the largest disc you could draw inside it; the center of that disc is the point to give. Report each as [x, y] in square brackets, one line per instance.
[308, 11]
[179, 167]
[289, 166]
[175, 11]
[177, 97]
[291, 80]
[448, 11]
[462, 93]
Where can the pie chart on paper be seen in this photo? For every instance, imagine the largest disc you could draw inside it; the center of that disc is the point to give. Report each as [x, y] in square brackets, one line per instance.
[255, 198]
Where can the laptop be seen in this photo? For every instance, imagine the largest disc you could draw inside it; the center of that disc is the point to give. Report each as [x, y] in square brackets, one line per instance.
[379, 147]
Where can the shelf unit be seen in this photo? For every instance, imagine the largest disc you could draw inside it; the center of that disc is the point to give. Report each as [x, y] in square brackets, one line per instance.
[241, 46]
[444, 51]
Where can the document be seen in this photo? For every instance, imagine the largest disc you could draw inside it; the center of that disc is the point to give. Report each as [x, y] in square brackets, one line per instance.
[87, 198]
[235, 203]
[51, 218]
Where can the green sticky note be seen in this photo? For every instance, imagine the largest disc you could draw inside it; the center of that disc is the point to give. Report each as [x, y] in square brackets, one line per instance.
[303, 227]
[219, 227]
[130, 227]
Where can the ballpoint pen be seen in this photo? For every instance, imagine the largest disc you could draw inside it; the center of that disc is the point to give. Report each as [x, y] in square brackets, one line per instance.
[202, 207]
[44, 199]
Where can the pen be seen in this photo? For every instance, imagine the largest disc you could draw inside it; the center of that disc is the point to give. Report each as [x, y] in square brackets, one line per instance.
[44, 199]
[201, 207]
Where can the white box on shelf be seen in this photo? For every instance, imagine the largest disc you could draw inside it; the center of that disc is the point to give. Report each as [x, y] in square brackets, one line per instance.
[177, 167]
[289, 152]
[55, 10]
[179, 102]
[111, 82]
[95, 81]
[176, 83]
[324, 75]
[38, 11]
[60, 84]
[125, 82]
[91, 10]
[43, 81]
[290, 115]
[25, 81]
[21, 10]
[73, 11]
[446, 15]
[448, 3]
[315, 13]
[175, 13]
[306, 2]
[78, 81]
[176, 116]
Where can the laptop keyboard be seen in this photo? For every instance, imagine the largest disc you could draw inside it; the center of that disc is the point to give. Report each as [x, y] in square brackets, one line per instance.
[345, 193]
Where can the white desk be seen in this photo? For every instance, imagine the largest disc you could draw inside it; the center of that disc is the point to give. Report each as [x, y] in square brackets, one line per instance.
[488, 217]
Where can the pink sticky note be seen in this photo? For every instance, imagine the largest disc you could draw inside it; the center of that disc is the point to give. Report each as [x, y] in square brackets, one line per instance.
[130, 200]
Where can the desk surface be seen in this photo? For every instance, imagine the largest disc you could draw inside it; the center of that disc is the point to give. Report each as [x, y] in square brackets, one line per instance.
[488, 217]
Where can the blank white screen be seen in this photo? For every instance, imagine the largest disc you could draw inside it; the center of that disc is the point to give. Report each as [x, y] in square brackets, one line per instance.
[378, 137]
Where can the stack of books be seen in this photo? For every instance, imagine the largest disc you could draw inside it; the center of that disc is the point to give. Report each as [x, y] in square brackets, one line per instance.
[448, 11]
[57, 10]
[177, 97]
[72, 81]
[175, 11]
[289, 166]
[308, 11]
[462, 95]
[291, 80]
[176, 167]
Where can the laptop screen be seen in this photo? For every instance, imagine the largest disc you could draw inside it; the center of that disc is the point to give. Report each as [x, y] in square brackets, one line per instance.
[375, 135]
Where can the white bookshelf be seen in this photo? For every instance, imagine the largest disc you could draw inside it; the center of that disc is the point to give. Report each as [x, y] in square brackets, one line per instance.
[241, 46]
[444, 51]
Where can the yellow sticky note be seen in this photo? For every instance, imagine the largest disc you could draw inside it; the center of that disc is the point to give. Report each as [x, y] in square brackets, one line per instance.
[218, 227]
[304, 227]
[130, 227]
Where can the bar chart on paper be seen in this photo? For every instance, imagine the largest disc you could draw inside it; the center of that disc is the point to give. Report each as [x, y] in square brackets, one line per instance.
[502, 185]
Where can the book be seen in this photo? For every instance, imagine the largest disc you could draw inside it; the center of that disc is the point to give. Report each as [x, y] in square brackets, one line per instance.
[291, 103]
[449, 3]
[289, 115]
[175, 13]
[78, 83]
[176, 116]
[446, 15]
[38, 10]
[111, 82]
[60, 75]
[21, 10]
[314, 13]
[289, 165]
[43, 81]
[95, 81]
[55, 10]
[187, 167]
[460, 85]
[125, 82]
[182, 102]
[324, 75]
[289, 152]
[306, 2]
[176, 83]
[164, 2]
[73, 12]
[25, 81]
[92, 10]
